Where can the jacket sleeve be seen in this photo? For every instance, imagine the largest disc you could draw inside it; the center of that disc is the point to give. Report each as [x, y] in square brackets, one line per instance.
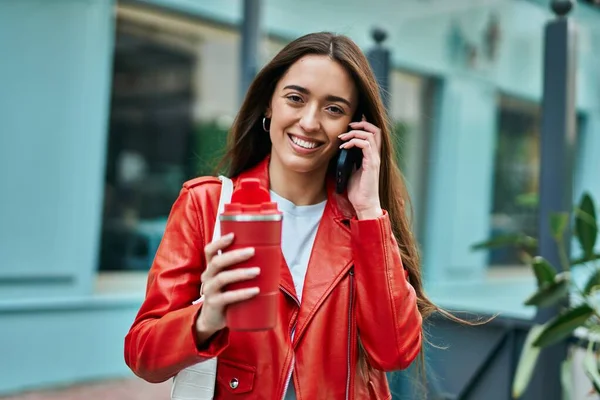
[162, 339]
[389, 322]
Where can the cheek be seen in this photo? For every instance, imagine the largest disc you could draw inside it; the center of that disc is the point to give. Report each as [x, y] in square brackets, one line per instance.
[334, 143]
[282, 115]
[274, 138]
[336, 129]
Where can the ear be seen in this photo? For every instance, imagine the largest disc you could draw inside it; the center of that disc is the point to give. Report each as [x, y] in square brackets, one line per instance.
[268, 112]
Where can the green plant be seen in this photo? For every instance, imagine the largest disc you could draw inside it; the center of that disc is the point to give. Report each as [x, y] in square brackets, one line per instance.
[554, 289]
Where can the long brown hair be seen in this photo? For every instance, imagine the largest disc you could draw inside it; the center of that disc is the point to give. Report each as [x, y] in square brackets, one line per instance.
[248, 145]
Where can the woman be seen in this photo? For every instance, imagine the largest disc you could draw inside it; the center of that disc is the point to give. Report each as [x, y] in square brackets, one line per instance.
[351, 300]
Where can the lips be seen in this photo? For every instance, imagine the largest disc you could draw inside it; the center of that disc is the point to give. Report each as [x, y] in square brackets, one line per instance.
[305, 143]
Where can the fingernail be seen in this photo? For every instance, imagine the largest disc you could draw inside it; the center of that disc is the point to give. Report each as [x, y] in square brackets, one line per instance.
[229, 236]
[253, 271]
[248, 251]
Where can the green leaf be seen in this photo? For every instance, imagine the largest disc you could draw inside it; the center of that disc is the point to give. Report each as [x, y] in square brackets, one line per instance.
[511, 239]
[544, 272]
[590, 366]
[527, 361]
[561, 326]
[584, 259]
[586, 227]
[566, 379]
[558, 224]
[592, 282]
[550, 293]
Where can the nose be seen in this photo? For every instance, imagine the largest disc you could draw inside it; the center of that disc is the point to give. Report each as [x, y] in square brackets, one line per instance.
[309, 122]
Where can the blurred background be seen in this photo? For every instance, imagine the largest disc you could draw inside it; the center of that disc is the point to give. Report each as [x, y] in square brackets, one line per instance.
[107, 107]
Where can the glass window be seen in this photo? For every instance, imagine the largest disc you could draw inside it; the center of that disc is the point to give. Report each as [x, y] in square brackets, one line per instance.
[411, 102]
[173, 96]
[516, 176]
[149, 147]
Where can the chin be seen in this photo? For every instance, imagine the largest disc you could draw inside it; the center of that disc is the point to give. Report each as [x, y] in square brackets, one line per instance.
[300, 166]
[303, 165]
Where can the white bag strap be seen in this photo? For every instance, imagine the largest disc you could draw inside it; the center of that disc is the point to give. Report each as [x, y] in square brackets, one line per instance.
[226, 192]
[197, 382]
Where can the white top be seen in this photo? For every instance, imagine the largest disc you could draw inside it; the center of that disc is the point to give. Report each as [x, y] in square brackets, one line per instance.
[299, 229]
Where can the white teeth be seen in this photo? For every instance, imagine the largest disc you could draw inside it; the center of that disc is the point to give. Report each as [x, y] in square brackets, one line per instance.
[303, 143]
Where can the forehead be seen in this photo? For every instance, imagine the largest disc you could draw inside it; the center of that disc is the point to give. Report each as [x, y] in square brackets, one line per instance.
[321, 75]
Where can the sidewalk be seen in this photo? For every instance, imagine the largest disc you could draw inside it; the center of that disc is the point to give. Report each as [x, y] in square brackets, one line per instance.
[126, 389]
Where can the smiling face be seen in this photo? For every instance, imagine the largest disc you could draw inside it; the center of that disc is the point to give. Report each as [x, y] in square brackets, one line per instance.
[312, 104]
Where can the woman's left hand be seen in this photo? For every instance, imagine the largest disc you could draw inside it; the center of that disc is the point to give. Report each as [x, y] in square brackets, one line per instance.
[363, 186]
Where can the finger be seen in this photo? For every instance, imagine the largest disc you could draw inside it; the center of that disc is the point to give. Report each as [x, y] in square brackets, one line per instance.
[226, 259]
[230, 258]
[365, 125]
[369, 127]
[371, 155]
[213, 247]
[356, 142]
[224, 278]
[370, 137]
[222, 300]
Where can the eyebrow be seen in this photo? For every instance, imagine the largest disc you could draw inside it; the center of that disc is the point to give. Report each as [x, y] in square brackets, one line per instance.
[328, 98]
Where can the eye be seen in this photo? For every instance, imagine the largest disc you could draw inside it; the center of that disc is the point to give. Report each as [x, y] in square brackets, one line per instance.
[336, 110]
[294, 98]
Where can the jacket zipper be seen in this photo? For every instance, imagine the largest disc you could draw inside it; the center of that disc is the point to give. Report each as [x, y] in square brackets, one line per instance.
[351, 302]
[289, 377]
[291, 369]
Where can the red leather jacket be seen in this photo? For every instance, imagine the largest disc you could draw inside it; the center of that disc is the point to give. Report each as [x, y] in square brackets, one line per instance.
[355, 288]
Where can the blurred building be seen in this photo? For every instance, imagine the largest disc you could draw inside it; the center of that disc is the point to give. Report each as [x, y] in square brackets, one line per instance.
[107, 107]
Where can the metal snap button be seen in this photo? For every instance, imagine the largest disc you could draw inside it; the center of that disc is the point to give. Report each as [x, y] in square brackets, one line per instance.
[234, 383]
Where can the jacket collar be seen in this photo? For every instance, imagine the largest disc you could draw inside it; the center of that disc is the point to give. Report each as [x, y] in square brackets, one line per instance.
[341, 208]
[331, 255]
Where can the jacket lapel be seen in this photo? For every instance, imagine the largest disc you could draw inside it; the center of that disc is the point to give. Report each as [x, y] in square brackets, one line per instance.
[330, 260]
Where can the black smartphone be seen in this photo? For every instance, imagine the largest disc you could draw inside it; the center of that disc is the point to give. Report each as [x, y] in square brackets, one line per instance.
[347, 160]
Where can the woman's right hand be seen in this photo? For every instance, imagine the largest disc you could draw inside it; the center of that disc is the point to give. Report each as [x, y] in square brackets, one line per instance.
[212, 314]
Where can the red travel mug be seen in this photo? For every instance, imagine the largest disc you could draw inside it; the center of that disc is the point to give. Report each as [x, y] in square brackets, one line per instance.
[256, 222]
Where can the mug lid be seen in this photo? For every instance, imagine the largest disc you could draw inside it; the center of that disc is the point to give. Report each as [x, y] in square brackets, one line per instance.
[251, 198]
